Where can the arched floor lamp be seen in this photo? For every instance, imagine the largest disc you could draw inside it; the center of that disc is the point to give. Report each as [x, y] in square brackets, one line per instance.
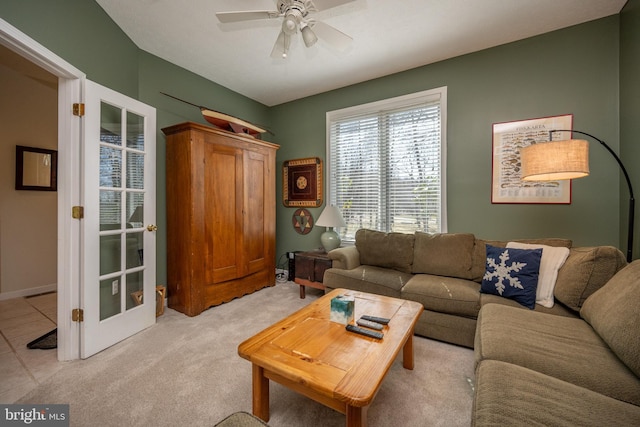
[557, 160]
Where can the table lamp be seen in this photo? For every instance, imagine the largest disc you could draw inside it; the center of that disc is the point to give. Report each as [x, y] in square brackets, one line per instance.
[138, 215]
[330, 217]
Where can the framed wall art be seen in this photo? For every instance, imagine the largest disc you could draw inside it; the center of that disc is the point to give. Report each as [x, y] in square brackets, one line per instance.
[36, 169]
[506, 183]
[302, 182]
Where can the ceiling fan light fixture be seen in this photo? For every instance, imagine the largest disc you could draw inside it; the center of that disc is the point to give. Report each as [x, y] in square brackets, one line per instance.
[290, 25]
[295, 15]
[308, 35]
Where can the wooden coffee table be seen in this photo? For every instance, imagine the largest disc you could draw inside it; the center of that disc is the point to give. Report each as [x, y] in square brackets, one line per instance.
[321, 360]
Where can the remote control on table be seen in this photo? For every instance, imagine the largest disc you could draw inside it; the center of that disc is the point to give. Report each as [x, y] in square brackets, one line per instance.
[369, 324]
[365, 332]
[381, 320]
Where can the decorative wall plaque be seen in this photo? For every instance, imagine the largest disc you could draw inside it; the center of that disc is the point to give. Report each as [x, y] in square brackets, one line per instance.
[302, 182]
[302, 221]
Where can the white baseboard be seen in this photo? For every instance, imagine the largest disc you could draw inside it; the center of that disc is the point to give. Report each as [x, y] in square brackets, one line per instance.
[28, 292]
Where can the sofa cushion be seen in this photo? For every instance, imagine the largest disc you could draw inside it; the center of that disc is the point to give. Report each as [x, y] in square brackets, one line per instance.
[480, 251]
[562, 347]
[586, 270]
[391, 250]
[449, 328]
[443, 254]
[614, 314]
[507, 395]
[512, 273]
[367, 278]
[556, 310]
[444, 294]
[552, 259]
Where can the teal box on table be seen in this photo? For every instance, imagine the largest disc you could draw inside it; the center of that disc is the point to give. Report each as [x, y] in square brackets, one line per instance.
[342, 308]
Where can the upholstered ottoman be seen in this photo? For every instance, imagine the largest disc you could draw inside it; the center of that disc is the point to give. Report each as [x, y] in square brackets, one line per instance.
[241, 419]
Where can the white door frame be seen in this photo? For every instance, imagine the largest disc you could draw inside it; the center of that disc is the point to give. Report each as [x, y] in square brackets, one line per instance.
[70, 83]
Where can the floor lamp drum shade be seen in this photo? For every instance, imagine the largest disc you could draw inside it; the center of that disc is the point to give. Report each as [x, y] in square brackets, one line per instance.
[556, 160]
[551, 161]
[330, 217]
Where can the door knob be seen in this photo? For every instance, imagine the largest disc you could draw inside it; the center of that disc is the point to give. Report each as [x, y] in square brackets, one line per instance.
[152, 227]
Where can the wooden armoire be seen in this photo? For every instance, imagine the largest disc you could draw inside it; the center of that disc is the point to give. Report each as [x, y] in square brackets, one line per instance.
[220, 216]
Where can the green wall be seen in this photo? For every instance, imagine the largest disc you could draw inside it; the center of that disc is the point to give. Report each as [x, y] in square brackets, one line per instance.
[630, 113]
[570, 71]
[80, 32]
[83, 34]
[576, 71]
[156, 76]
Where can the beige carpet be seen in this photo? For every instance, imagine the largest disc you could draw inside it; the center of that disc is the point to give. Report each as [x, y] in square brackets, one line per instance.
[185, 371]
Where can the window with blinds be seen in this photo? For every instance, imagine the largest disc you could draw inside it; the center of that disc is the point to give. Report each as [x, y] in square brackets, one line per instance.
[386, 164]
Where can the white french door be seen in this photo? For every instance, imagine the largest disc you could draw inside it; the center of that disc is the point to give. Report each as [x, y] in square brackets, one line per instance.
[118, 273]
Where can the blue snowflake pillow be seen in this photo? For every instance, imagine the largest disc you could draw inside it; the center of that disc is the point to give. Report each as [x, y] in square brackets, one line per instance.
[512, 273]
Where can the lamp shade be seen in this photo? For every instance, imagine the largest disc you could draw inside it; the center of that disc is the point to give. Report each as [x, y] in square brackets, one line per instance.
[308, 36]
[556, 160]
[137, 215]
[331, 217]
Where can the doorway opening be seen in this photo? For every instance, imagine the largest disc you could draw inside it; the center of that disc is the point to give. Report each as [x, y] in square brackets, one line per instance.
[67, 255]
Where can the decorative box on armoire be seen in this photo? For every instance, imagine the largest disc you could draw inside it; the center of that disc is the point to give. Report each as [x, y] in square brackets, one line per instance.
[220, 216]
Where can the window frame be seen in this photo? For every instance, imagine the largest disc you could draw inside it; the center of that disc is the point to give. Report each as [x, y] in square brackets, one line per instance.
[418, 98]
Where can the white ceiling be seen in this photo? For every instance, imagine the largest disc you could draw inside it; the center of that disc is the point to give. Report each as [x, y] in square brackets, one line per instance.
[389, 36]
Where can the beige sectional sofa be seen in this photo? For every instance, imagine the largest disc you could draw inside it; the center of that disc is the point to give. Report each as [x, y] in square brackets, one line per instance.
[575, 363]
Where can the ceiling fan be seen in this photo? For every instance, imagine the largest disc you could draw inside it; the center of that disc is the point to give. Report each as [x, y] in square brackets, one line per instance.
[296, 17]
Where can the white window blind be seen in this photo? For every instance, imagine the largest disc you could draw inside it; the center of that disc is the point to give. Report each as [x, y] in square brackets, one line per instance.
[386, 164]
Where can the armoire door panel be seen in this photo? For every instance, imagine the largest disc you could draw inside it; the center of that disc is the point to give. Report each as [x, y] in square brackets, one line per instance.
[223, 169]
[254, 221]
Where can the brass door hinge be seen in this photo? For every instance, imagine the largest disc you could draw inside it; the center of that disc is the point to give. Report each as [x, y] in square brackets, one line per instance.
[77, 315]
[77, 212]
[78, 109]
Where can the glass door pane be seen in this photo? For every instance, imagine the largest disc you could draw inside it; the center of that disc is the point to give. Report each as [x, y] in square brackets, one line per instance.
[135, 208]
[122, 195]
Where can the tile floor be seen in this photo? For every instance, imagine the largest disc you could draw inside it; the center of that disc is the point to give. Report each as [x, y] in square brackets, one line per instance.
[22, 320]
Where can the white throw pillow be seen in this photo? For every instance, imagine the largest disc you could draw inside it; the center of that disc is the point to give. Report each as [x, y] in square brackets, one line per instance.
[552, 259]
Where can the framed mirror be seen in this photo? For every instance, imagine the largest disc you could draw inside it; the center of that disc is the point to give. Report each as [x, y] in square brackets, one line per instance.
[36, 169]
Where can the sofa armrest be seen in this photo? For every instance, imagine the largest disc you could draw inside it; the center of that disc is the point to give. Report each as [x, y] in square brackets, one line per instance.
[346, 258]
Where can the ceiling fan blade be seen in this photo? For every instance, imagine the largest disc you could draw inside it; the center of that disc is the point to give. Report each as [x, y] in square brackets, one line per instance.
[249, 15]
[332, 35]
[281, 48]
[328, 4]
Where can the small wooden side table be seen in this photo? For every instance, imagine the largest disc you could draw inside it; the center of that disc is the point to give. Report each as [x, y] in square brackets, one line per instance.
[310, 268]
